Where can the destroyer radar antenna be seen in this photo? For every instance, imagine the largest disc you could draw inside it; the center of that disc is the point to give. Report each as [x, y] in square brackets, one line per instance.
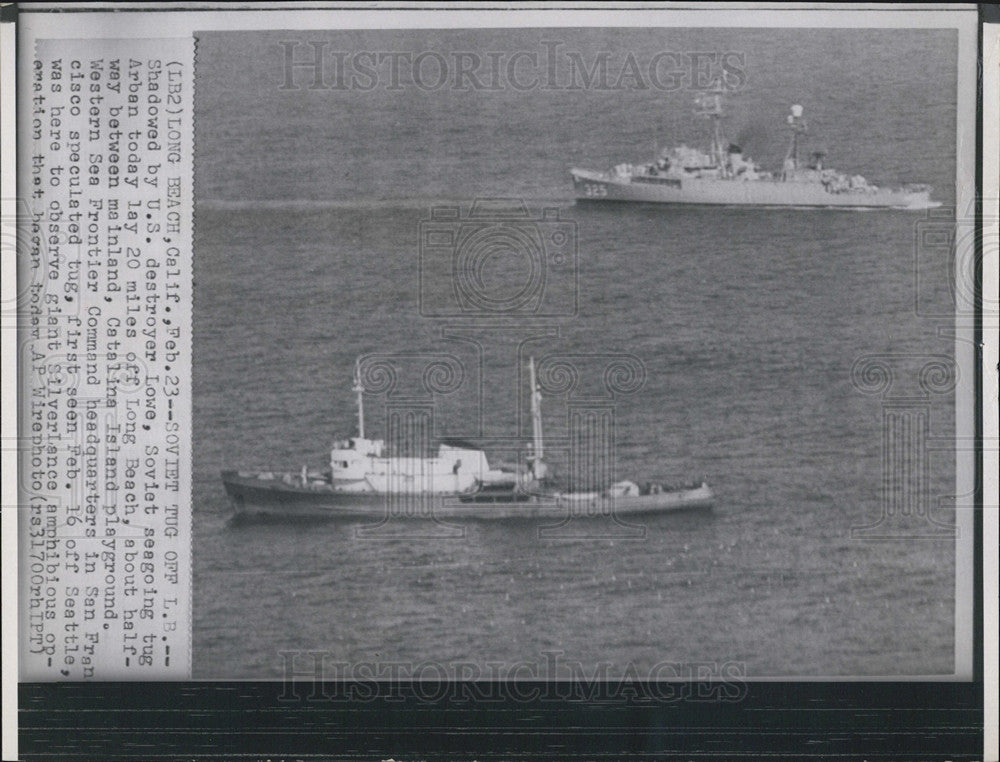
[360, 391]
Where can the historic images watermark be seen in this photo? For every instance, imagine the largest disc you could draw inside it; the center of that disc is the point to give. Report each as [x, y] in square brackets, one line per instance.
[317, 676]
[907, 385]
[315, 65]
[949, 246]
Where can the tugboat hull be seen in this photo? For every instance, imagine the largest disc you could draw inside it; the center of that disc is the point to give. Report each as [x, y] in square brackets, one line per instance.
[600, 186]
[269, 496]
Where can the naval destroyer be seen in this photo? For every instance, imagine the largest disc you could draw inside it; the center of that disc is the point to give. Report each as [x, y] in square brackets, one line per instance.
[722, 175]
[364, 480]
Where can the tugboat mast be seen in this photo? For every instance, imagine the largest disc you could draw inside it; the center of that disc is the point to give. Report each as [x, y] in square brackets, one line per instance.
[360, 391]
[537, 452]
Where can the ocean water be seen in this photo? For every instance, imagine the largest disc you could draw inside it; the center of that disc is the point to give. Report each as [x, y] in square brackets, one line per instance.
[747, 323]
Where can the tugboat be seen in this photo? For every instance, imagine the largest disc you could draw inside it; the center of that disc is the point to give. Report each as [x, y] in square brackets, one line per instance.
[723, 175]
[363, 480]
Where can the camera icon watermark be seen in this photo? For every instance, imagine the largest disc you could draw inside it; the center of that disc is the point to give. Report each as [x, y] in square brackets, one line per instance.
[496, 260]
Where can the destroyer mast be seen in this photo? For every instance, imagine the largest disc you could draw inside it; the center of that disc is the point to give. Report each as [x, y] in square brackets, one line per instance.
[797, 124]
[709, 105]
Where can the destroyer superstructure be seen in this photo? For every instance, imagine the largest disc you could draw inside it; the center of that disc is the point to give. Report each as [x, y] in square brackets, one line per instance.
[722, 175]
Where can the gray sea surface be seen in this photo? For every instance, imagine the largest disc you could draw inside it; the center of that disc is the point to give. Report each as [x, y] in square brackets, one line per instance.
[747, 321]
